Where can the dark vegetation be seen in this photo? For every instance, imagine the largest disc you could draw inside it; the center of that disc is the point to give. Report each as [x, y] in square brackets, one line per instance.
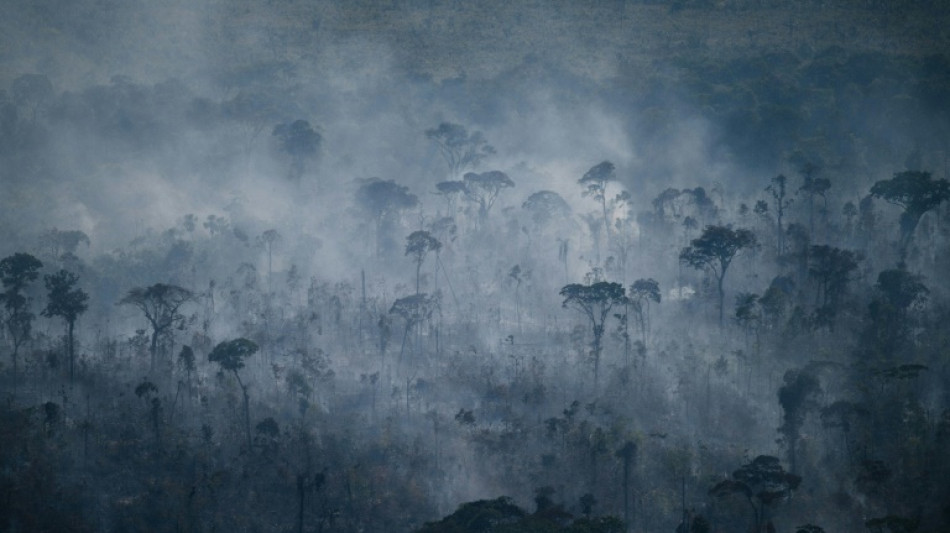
[324, 282]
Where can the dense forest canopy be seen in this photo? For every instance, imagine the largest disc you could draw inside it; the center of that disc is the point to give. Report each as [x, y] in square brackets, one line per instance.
[487, 266]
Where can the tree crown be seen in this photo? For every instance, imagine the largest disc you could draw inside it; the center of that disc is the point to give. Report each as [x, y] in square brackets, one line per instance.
[231, 354]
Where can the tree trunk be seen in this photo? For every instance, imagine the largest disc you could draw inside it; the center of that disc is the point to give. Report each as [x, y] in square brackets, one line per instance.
[626, 491]
[301, 492]
[70, 351]
[598, 336]
[418, 273]
[16, 349]
[247, 411]
[722, 297]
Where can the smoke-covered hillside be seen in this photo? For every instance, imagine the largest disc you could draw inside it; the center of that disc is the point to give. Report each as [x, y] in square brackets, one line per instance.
[495, 266]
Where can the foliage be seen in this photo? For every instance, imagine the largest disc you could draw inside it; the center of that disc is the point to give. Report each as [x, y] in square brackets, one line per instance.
[483, 189]
[917, 192]
[595, 301]
[459, 148]
[546, 206]
[300, 141]
[230, 355]
[65, 299]
[501, 515]
[714, 250]
[763, 482]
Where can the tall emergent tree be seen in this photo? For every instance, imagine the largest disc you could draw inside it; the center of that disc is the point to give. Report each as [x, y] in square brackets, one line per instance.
[831, 269]
[778, 190]
[300, 141]
[414, 310]
[483, 189]
[595, 183]
[812, 187]
[764, 483]
[159, 303]
[68, 301]
[230, 355]
[797, 397]
[268, 239]
[917, 193]
[16, 273]
[459, 148]
[418, 245]
[595, 301]
[383, 199]
[714, 250]
[642, 292]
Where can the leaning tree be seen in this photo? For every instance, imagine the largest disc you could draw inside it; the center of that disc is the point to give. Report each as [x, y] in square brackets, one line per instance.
[917, 193]
[230, 355]
[714, 251]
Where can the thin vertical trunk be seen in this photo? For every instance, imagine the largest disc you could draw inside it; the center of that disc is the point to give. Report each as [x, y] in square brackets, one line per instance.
[16, 349]
[362, 305]
[598, 336]
[301, 492]
[418, 273]
[722, 297]
[603, 204]
[247, 411]
[153, 347]
[69, 340]
[626, 491]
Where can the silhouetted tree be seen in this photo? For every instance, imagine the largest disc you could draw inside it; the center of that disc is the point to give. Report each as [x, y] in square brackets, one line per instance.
[831, 268]
[747, 314]
[628, 454]
[714, 250]
[917, 193]
[595, 183]
[418, 245]
[642, 292]
[797, 397]
[812, 186]
[383, 199]
[450, 190]
[16, 273]
[888, 325]
[781, 201]
[268, 239]
[483, 189]
[763, 483]
[230, 355]
[459, 148]
[546, 206]
[300, 141]
[414, 310]
[67, 301]
[595, 301]
[159, 303]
